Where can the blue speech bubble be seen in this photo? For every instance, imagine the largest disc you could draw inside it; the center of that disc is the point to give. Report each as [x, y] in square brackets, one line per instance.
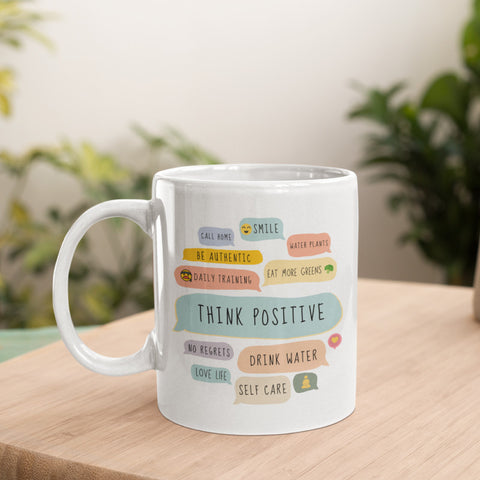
[255, 229]
[257, 317]
[215, 236]
[207, 374]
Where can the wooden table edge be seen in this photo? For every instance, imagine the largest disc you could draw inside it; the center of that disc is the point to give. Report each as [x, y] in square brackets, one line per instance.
[17, 462]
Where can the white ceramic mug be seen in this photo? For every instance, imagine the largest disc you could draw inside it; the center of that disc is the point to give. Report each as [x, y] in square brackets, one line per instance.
[255, 274]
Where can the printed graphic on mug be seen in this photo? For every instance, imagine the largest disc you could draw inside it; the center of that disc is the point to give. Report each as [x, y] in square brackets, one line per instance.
[308, 244]
[300, 271]
[209, 278]
[215, 236]
[257, 229]
[259, 316]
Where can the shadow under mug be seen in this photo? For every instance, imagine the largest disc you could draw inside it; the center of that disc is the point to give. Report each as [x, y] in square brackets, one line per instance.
[255, 279]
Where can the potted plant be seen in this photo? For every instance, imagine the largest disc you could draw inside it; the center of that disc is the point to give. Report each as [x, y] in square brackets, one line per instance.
[430, 149]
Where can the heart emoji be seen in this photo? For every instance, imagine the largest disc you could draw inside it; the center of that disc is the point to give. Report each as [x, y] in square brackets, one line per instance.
[335, 340]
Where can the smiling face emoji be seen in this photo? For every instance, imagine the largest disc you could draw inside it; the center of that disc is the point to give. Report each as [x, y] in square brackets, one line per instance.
[246, 229]
[186, 275]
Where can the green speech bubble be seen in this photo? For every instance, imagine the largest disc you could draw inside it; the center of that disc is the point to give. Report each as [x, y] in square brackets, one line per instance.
[257, 317]
[303, 382]
[207, 374]
[254, 229]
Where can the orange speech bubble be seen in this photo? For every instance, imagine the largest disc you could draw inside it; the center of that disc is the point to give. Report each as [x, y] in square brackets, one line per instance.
[286, 357]
[216, 278]
[308, 244]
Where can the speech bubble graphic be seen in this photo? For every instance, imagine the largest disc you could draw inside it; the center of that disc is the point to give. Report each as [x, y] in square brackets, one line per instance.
[286, 357]
[308, 244]
[232, 257]
[262, 390]
[216, 350]
[216, 278]
[303, 382]
[215, 236]
[334, 340]
[277, 272]
[255, 229]
[257, 317]
[211, 374]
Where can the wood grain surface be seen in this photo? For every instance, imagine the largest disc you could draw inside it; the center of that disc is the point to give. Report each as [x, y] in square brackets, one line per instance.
[417, 415]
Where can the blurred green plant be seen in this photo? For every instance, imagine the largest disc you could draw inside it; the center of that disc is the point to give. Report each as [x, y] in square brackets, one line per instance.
[16, 24]
[29, 243]
[30, 240]
[430, 149]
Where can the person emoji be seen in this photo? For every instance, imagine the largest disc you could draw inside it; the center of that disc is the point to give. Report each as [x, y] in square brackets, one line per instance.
[306, 382]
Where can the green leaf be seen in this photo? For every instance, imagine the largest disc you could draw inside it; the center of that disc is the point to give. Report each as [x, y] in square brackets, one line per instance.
[79, 272]
[476, 7]
[471, 45]
[38, 36]
[394, 89]
[5, 108]
[18, 164]
[7, 82]
[408, 110]
[449, 95]
[153, 141]
[98, 299]
[176, 144]
[377, 106]
[396, 200]
[18, 247]
[11, 41]
[7, 85]
[382, 160]
[19, 213]
[41, 255]
[54, 214]
[17, 22]
[96, 168]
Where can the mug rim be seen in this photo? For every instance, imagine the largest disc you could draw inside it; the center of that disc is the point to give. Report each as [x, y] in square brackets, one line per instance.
[312, 174]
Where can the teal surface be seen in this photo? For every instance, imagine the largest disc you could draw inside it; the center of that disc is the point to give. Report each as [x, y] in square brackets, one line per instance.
[15, 342]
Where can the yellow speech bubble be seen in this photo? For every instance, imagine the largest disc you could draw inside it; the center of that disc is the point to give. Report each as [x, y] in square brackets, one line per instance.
[231, 257]
[286, 357]
[262, 390]
[298, 271]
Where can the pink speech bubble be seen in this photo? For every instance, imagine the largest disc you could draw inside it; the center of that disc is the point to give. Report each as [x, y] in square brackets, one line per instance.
[335, 340]
[216, 278]
[308, 244]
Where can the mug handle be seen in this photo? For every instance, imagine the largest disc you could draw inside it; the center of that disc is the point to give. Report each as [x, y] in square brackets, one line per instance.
[139, 212]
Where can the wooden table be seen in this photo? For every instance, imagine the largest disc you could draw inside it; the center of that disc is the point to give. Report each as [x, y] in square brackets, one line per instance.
[417, 416]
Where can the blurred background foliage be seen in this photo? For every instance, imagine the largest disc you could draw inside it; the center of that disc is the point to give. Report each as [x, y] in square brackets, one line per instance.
[17, 23]
[430, 149]
[29, 240]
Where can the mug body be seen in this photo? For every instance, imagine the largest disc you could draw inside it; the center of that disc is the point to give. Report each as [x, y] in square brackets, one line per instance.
[255, 270]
